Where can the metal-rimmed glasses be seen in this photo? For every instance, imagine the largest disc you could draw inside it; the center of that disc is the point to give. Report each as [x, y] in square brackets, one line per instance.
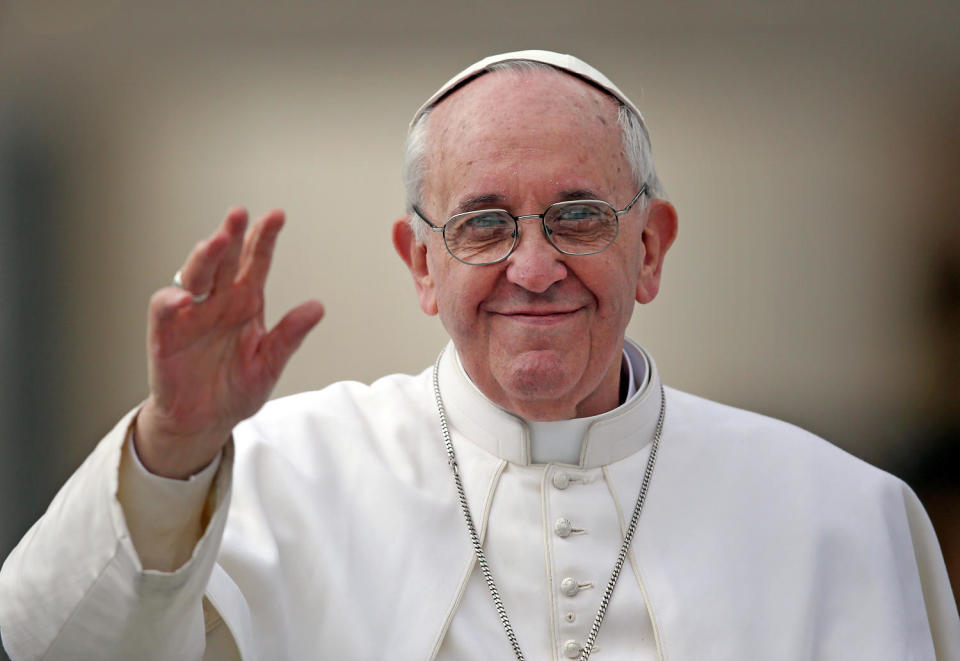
[574, 227]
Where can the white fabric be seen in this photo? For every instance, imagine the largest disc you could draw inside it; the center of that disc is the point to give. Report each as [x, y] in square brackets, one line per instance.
[344, 540]
[74, 588]
[170, 512]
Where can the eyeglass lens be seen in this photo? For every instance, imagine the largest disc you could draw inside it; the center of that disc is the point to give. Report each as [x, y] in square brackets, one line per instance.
[576, 228]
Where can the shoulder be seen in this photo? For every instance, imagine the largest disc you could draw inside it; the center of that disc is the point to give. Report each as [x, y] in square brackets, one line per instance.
[344, 400]
[757, 446]
[347, 413]
[727, 469]
[783, 512]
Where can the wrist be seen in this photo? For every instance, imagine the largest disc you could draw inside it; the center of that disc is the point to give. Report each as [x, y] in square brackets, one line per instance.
[169, 452]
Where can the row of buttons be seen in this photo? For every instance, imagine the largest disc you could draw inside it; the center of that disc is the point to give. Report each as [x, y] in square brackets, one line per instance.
[569, 586]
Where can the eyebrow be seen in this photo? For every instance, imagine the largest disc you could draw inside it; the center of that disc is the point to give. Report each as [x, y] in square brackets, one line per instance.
[483, 201]
[496, 200]
[578, 194]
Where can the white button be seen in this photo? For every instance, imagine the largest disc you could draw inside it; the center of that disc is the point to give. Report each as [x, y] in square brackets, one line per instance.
[563, 527]
[561, 480]
[571, 649]
[569, 586]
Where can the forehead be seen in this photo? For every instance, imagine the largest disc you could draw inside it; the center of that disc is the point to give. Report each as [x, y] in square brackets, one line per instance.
[533, 82]
[522, 124]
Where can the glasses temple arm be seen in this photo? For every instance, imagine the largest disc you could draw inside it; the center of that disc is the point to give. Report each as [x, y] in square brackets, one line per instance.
[643, 189]
[419, 214]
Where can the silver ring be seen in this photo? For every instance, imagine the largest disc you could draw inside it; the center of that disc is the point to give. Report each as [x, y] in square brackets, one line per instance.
[178, 283]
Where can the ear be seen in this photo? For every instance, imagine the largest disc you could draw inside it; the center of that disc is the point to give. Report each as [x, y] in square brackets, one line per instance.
[414, 255]
[658, 236]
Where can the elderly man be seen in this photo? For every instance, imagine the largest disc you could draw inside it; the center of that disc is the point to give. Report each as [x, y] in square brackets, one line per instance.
[536, 494]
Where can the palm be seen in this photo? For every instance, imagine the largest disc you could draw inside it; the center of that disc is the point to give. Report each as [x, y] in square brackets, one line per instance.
[213, 364]
[205, 362]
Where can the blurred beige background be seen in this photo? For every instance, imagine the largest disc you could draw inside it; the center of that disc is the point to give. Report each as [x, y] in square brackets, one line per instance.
[811, 148]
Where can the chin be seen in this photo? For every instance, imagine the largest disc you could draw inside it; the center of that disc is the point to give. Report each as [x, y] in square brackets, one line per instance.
[539, 374]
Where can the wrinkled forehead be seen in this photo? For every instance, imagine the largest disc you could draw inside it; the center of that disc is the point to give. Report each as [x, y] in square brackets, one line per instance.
[565, 63]
[512, 94]
[512, 131]
[520, 106]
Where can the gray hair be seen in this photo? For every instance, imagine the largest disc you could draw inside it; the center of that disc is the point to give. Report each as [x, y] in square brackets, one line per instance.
[636, 146]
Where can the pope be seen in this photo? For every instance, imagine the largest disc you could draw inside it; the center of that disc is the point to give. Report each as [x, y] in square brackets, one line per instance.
[537, 493]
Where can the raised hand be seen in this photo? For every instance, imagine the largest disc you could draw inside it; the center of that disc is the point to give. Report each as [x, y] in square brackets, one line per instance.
[214, 363]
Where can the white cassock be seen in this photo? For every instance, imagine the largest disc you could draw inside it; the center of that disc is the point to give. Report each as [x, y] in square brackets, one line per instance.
[343, 539]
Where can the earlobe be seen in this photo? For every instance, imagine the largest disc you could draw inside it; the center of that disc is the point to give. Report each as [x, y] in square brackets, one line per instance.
[414, 255]
[658, 236]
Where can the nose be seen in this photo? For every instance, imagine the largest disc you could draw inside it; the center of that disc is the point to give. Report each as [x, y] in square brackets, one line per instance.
[534, 263]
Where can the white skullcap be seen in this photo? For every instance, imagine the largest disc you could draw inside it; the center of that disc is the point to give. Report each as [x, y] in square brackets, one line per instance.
[568, 63]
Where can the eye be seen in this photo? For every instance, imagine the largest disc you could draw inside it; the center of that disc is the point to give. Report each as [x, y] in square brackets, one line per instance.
[573, 213]
[486, 221]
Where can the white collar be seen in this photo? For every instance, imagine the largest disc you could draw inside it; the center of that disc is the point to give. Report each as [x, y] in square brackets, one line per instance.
[606, 438]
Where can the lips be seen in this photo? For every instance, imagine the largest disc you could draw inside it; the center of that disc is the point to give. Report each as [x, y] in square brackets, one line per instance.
[560, 302]
[539, 316]
[535, 313]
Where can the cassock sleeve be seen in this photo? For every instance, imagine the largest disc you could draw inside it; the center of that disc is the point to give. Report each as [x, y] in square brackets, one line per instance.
[75, 587]
[166, 517]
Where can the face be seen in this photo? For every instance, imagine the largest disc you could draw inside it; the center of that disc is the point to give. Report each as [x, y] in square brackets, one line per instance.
[540, 333]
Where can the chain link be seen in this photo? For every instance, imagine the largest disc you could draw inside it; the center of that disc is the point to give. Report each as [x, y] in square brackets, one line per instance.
[478, 547]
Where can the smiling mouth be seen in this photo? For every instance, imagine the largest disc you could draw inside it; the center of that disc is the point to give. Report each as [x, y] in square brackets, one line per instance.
[539, 316]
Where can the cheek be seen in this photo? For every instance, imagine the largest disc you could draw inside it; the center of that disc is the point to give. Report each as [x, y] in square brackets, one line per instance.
[613, 284]
[460, 291]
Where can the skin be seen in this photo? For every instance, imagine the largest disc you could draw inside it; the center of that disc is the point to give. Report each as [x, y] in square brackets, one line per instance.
[541, 333]
[214, 364]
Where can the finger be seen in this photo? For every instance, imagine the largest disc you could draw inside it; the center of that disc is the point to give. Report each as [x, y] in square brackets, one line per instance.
[166, 302]
[162, 311]
[233, 227]
[197, 274]
[285, 338]
[258, 249]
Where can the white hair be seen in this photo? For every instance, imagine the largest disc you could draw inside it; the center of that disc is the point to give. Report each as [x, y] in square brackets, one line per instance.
[636, 146]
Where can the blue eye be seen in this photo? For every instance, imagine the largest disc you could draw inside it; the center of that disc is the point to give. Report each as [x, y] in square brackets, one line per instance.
[578, 212]
[487, 221]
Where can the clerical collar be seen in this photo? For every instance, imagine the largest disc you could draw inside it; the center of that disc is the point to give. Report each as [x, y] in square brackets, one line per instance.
[561, 441]
[585, 442]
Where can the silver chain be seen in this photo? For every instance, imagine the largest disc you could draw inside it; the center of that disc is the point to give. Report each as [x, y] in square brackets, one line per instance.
[478, 548]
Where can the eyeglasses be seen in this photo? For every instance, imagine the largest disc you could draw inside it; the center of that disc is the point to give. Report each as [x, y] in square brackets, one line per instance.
[574, 227]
